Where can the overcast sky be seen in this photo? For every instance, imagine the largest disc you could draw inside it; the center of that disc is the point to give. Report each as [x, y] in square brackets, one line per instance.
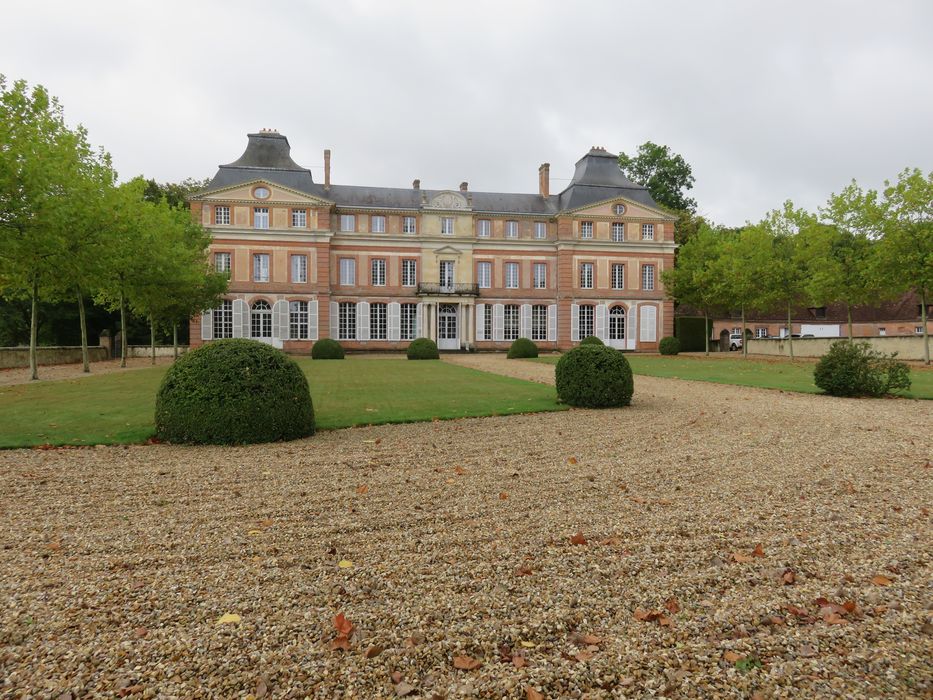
[766, 100]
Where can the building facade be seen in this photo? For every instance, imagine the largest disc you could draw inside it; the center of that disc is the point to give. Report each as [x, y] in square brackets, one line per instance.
[376, 267]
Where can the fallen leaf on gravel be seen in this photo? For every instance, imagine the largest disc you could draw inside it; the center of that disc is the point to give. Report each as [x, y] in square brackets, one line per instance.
[414, 640]
[758, 551]
[373, 651]
[584, 656]
[268, 522]
[466, 663]
[742, 558]
[832, 618]
[519, 661]
[403, 689]
[611, 541]
[572, 460]
[789, 577]
[261, 689]
[646, 615]
[459, 471]
[345, 564]
[532, 694]
[254, 533]
[340, 643]
[228, 618]
[54, 546]
[880, 580]
[578, 539]
[140, 632]
[732, 657]
[362, 488]
[672, 605]
[528, 645]
[523, 570]
[503, 496]
[585, 640]
[343, 625]
[396, 677]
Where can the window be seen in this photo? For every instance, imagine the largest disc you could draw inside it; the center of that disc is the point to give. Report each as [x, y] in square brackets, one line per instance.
[261, 267]
[918, 330]
[510, 321]
[586, 229]
[585, 316]
[347, 272]
[260, 320]
[540, 275]
[619, 209]
[222, 215]
[223, 320]
[511, 229]
[377, 224]
[881, 331]
[761, 332]
[618, 276]
[586, 275]
[260, 217]
[347, 222]
[346, 321]
[299, 268]
[647, 232]
[511, 275]
[647, 277]
[408, 224]
[618, 232]
[261, 193]
[222, 262]
[447, 225]
[617, 322]
[818, 312]
[539, 322]
[484, 274]
[483, 228]
[409, 273]
[378, 272]
[446, 276]
[487, 323]
[409, 321]
[540, 229]
[378, 321]
[298, 320]
[299, 218]
[738, 331]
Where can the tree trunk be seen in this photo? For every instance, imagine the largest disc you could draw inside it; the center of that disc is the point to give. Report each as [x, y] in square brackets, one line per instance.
[849, 317]
[82, 319]
[923, 320]
[790, 336]
[744, 342]
[152, 337]
[123, 329]
[175, 340]
[34, 330]
[706, 329]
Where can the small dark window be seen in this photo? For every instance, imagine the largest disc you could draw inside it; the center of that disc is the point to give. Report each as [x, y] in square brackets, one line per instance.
[818, 311]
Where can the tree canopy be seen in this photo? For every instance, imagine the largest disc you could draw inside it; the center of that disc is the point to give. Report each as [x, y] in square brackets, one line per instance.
[666, 174]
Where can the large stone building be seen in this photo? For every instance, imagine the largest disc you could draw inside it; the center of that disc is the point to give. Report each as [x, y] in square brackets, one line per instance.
[375, 267]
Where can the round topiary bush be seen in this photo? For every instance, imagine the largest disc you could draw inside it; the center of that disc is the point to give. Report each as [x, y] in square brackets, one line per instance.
[594, 376]
[855, 369]
[523, 347]
[327, 349]
[423, 349]
[235, 391]
[591, 340]
[669, 345]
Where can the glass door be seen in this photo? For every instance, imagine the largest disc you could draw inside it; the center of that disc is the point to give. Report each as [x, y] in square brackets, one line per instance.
[447, 336]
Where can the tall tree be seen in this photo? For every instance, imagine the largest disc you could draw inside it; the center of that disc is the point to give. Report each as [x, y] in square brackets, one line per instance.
[696, 279]
[744, 268]
[175, 194]
[666, 175]
[905, 253]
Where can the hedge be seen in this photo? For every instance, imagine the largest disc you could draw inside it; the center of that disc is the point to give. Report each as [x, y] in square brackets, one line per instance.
[234, 391]
[327, 349]
[689, 331]
[669, 345]
[591, 340]
[423, 349]
[594, 376]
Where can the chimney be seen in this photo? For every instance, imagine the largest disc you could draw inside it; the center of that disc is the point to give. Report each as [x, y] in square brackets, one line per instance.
[464, 186]
[416, 184]
[544, 179]
[326, 169]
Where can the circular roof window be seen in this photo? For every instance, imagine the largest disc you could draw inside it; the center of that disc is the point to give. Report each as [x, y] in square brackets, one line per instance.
[619, 208]
[261, 193]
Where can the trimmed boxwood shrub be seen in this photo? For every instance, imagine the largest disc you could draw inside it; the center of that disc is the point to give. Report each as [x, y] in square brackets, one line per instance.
[855, 369]
[327, 349]
[523, 347]
[689, 330]
[423, 349]
[234, 391]
[669, 345]
[594, 376]
[591, 340]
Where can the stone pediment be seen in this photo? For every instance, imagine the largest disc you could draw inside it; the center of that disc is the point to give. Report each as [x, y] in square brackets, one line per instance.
[633, 210]
[448, 250]
[448, 200]
[279, 194]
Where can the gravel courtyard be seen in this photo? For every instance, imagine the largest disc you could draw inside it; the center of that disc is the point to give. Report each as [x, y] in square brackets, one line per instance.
[708, 541]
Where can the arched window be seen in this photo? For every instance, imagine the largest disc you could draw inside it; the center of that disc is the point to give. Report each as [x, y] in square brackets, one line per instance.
[617, 323]
[260, 319]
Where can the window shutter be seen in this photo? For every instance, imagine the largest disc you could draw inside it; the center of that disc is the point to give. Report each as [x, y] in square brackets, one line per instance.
[240, 319]
[631, 327]
[419, 320]
[498, 321]
[552, 323]
[207, 325]
[280, 320]
[648, 332]
[575, 322]
[481, 322]
[602, 317]
[362, 320]
[312, 320]
[395, 321]
[334, 320]
[524, 321]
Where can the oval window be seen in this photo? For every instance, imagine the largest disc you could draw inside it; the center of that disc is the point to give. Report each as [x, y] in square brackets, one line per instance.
[261, 192]
[620, 208]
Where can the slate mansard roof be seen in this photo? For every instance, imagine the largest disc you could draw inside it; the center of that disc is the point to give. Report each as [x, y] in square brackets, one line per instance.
[268, 157]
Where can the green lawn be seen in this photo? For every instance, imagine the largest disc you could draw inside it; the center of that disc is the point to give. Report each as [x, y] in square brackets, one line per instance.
[118, 407]
[789, 376]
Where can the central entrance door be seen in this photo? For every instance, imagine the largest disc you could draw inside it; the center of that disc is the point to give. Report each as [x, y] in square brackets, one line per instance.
[448, 337]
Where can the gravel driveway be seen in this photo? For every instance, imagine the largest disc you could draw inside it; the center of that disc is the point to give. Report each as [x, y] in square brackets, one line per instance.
[578, 554]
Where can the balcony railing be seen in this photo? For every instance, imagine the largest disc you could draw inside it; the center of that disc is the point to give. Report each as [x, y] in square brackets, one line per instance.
[460, 289]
